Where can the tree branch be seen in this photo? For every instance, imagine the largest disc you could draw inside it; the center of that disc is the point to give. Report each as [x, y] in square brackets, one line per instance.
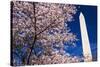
[50, 25]
[35, 37]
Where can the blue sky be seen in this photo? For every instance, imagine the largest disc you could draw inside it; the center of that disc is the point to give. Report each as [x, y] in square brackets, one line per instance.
[90, 14]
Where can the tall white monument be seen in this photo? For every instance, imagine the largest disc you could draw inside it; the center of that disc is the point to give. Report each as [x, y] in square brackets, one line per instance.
[85, 40]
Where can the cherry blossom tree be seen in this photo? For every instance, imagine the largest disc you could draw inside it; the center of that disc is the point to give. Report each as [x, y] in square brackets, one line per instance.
[40, 31]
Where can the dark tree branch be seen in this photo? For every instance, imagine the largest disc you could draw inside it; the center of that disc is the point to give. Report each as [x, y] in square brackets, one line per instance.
[50, 25]
[35, 37]
[45, 28]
